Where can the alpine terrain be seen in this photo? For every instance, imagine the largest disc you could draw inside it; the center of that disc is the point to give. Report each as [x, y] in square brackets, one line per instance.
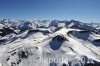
[49, 43]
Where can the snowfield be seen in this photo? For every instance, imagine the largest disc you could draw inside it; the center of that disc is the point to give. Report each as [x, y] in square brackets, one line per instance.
[49, 43]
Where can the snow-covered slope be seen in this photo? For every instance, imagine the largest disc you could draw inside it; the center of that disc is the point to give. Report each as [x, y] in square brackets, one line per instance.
[49, 43]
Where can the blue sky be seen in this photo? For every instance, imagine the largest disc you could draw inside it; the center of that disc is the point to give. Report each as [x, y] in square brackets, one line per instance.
[81, 10]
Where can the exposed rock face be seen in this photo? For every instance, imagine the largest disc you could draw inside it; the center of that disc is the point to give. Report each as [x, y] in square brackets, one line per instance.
[35, 43]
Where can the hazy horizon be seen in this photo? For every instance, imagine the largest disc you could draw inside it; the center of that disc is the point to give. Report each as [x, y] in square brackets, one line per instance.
[80, 10]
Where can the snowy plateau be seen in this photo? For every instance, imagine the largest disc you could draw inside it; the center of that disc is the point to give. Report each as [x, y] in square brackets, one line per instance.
[49, 43]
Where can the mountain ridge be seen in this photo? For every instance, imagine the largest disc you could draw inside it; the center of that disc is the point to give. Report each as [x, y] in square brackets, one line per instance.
[25, 43]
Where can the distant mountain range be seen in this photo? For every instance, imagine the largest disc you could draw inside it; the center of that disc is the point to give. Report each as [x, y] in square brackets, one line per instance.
[25, 43]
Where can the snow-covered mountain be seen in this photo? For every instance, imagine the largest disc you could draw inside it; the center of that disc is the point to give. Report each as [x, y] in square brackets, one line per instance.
[49, 43]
